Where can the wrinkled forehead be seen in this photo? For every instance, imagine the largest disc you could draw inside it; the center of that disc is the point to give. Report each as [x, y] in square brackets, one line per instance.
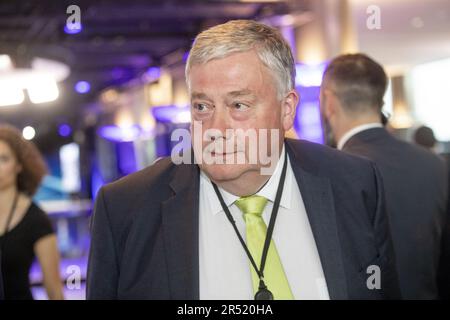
[240, 72]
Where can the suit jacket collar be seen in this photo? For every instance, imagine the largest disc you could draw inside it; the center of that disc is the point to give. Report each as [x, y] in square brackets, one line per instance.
[354, 131]
[180, 232]
[367, 136]
[319, 204]
[180, 218]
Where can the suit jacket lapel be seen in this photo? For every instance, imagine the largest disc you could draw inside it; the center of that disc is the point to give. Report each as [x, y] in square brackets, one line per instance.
[180, 231]
[319, 204]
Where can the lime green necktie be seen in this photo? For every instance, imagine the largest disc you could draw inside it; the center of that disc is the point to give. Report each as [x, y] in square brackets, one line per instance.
[256, 229]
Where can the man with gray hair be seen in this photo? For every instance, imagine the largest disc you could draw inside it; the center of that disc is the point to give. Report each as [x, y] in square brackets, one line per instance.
[415, 179]
[309, 223]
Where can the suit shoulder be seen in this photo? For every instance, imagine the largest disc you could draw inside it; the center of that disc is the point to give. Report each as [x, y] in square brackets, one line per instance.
[144, 179]
[338, 167]
[423, 157]
[325, 158]
[428, 155]
[122, 200]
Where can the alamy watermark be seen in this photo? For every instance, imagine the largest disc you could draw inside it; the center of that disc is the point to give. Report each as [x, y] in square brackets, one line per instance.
[73, 280]
[374, 280]
[73, 22]
[373, 21]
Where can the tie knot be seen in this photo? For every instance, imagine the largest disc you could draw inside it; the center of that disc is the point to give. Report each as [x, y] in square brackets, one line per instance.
[251, 205]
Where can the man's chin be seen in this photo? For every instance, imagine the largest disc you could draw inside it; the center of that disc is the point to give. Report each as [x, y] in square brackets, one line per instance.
[224, 172]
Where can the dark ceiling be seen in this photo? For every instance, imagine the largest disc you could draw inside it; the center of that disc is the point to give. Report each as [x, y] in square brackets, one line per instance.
[118, 42]
[119, 38]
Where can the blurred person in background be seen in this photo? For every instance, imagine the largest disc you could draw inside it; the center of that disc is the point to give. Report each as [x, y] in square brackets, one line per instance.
[415, 179]
[25, 230]
[424, 136]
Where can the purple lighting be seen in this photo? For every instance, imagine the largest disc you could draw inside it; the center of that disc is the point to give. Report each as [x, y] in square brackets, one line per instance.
[308, 122]
[153, 72]
[82, 87]
[73, 28]
[64, 130]
[309, 75]
[118, 134]
[308, 79]
[185, 56]
[172, 114]
[117, 73]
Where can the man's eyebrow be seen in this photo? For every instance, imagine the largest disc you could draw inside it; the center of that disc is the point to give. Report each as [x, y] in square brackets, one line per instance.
[199, 95]
[233, 94]
[240, 93]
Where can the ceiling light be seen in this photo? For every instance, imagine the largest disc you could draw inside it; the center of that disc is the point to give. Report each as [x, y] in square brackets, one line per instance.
[5, 62]
[28, 133]
[82, 87]
[42, 88]
[10, 93]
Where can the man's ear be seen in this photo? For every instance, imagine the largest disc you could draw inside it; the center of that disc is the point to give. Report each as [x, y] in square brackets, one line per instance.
[288, 109]
[329, 103]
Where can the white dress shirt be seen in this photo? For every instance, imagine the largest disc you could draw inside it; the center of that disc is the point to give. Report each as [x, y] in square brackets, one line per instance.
[356, 130]
[224, 265]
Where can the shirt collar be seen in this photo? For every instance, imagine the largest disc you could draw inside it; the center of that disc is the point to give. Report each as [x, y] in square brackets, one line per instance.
[355, 131]
[269, 190]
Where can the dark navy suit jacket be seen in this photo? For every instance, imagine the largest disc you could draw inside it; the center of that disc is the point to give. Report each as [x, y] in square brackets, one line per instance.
[415, 181]
[145, 229]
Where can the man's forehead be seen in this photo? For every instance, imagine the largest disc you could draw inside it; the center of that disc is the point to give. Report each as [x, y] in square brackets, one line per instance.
[233, 93]
[232, 79]
[237, 65]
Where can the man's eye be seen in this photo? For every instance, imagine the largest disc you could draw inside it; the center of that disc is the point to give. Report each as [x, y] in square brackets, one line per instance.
[201, 107]
[240, 106]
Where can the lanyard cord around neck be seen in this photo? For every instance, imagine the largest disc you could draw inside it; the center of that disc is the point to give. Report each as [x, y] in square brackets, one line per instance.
[260, 271]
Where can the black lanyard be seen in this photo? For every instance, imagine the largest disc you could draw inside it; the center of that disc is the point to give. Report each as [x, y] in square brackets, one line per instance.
[263, 293]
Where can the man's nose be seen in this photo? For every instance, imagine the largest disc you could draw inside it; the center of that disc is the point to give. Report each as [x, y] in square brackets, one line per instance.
[219, 123]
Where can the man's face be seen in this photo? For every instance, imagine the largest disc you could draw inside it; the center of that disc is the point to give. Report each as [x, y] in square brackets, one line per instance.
[235, 92]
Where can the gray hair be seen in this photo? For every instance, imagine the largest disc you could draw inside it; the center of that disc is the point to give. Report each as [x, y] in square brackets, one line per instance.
[244, 35]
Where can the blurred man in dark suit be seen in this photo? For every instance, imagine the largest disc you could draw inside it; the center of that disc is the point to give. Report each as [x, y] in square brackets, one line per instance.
[424, 136]
[415, 179]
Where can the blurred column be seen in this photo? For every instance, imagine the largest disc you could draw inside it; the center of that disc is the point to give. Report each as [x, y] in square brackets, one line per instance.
[317, 34]
[329, 33]
[401, 117]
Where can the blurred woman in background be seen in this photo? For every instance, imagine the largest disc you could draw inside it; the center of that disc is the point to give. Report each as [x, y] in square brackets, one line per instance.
[25, 230]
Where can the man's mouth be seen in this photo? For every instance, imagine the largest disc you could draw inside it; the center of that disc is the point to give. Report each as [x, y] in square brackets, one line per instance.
[221, 154]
